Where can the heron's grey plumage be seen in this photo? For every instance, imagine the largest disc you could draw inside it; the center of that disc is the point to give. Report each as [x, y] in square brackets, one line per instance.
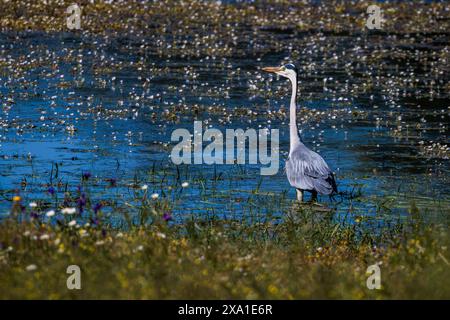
[306, 170]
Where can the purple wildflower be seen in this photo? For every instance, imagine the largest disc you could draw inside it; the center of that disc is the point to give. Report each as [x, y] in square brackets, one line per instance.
[86, 175]
[97, 207]
[51, 190]
[81, 202]
[167, 216]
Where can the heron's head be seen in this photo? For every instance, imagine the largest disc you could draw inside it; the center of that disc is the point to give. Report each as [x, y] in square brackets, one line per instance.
[288, 71]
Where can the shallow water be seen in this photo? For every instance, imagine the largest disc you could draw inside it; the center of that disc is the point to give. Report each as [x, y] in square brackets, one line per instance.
[113, 116]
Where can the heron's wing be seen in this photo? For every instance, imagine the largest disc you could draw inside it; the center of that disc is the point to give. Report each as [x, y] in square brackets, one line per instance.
[307, 170]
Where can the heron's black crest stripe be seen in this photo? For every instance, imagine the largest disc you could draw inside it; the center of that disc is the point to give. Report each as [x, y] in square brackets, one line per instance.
[291, 67]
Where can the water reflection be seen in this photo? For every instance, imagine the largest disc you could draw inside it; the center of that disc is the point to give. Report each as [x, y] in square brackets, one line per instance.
[104, 106]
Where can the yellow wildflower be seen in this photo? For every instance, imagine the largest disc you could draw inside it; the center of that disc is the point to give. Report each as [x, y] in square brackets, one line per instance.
[272, 289]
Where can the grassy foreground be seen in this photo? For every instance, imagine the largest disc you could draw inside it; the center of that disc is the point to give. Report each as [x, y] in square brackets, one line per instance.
[301, 257]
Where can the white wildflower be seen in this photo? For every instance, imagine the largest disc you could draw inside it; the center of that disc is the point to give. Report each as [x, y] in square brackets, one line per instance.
[72, 223]
[31, 267]
[160, 235]
[69, 210]
[50, 213]
[44, 237]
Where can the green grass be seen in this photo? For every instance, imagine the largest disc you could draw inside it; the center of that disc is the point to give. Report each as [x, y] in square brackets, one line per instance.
[306, 255]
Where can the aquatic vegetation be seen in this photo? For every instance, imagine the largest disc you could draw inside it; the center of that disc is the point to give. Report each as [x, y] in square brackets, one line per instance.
[306, 255]
[270, 248]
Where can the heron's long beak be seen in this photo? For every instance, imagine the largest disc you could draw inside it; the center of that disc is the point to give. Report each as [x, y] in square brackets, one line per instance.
[272, 69]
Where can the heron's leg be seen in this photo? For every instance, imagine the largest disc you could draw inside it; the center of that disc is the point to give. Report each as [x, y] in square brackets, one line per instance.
[300, 195]
[314, 196]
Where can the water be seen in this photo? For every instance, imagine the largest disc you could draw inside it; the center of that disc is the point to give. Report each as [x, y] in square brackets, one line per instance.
[79, 103]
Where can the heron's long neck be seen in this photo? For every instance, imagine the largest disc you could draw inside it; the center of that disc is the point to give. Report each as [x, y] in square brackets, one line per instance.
[293, 130]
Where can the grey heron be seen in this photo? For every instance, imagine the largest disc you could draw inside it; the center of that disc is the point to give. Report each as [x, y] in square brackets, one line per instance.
[306, 170]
